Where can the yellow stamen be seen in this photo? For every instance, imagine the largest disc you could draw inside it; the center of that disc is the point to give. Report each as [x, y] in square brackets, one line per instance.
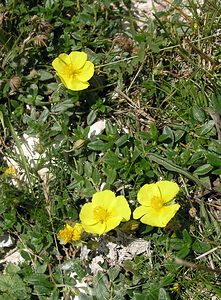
[157, 202]
[100, 214]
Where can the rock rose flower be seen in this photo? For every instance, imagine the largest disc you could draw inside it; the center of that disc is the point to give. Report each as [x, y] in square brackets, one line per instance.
[70, 233]
[104, 213]
[74, 70]
[156, 208]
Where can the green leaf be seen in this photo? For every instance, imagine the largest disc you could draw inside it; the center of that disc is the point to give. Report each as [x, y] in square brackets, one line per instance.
[214, 159]
[33, 90]
[141, 296]
[111, 175]
[153, 131]
[44, 75]
[12, 268]
[196, 156]
[91, 117]
[204, 169]
[176, 244]
[68, 3]
[76, 177]
[88, 169]
[217, 172]
[163, 295]
[204, 213]
[5, 282]
[41, 268]
[97, 145]
[84, 297]
[96, 177]
[198, 114]
[112, 160]
[135, 154]
[101, 283]
[215, 224]
[186, 237]
[215, 289]
[206, 128]
[167, 279]
[40, 281]
[122, 140]
[113, 273]
[130, 266]
[142, 135]
[216, 103]
[14, 287]
[200, 247]
[172, 167]
[183, 252]
[110, 128]
[61, 107]
[178, 134]
[214, 146]
[167, 131]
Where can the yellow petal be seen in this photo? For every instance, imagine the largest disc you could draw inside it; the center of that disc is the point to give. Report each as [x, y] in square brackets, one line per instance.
[123, 208]
[140, 211]
[167, 213]
[98, 228]
[63, 79]
[147, 192]
[112, 223]
[106, 199]
[65, 235]
[85, 73]
[73, 84]
[87, 214]
[76, 236]
[78, 59]
[160, 218]
[60, 62]
[168, 190]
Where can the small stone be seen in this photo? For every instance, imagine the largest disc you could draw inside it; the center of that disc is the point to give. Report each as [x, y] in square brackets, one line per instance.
[96, 128]
[6, 241]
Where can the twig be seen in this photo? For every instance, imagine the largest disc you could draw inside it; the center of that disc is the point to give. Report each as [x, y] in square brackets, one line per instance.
[195, 266]
[139, 111]
[138, 72]
[46, 192]
[208, 252]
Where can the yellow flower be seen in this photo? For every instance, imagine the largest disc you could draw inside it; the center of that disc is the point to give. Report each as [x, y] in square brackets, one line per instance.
[70, 233]
[74, 70]
[104, 213]
[155, 209]
[10, 171]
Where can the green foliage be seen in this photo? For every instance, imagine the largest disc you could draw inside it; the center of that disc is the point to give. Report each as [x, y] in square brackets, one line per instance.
[159, 90]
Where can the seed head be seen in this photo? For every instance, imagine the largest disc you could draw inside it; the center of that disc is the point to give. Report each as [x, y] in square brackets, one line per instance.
[15, 82]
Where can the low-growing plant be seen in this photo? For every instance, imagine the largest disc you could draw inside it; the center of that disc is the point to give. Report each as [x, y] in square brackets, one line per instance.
[91, 209]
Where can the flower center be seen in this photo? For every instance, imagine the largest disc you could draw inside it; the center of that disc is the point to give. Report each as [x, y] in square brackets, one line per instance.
[100, 214]
[157, 202]
[69, 70]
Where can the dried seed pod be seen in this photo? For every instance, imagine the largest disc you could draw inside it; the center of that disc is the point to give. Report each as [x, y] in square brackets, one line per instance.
[45, 27]
[33, 73]
[40, 40]
[78, 144]
[15, 82]
[3, 18]
[192, 212]
[124, 42]
[35, 19]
